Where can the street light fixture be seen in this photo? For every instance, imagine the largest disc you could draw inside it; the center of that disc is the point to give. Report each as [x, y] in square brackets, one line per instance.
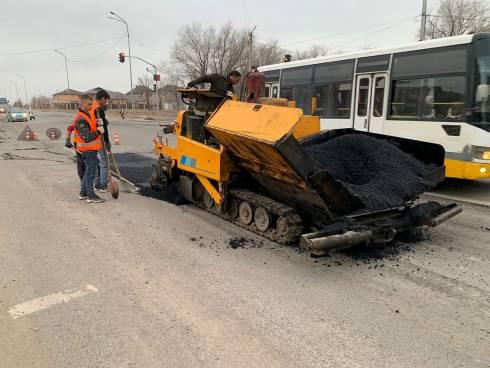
[16, 88]
[118, 18]
[66, 66]
[25, 89]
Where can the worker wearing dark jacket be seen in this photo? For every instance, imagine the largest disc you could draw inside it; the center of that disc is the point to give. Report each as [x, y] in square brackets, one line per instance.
[88, 140]
[98, 112]
[219, 84]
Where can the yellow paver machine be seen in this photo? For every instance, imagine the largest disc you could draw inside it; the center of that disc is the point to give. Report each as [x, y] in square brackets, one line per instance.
[258, 165]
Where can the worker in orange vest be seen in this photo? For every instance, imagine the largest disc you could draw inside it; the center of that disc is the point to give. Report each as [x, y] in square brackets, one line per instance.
[98, 112]
[88, 140]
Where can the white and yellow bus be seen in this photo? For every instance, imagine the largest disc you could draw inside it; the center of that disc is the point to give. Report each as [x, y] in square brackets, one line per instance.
[435, 91]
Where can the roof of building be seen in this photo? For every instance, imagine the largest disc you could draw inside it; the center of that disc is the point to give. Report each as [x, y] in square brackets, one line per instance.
[114, 95]
[68, 91]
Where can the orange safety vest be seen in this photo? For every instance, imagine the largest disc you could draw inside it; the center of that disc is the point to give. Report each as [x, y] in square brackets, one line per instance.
[94, 145]
[95, 106]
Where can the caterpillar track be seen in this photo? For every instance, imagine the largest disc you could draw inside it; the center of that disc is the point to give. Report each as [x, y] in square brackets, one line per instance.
[259, 214]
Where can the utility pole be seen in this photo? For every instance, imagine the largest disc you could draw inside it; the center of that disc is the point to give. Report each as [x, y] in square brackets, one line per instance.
[154, 72]
[25, 89]
[120, 19]
[423, 20]
[250, 43]
[66, 66]
[16, 89]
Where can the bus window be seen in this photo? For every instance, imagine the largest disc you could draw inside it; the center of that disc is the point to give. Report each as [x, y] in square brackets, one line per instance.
[302, 96]
[405, 99]
[267, 92]
[438, 98]
[287, 93]
[339, 100]
[362, 99]
[321, 94]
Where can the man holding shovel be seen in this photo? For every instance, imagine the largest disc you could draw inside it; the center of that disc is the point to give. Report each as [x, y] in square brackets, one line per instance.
[98, 112]
[88, 140]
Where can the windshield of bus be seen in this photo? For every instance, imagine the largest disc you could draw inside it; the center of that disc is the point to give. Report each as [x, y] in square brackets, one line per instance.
[482, 98]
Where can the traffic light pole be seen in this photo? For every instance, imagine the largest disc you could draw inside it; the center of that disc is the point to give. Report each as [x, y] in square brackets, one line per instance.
[156, 82]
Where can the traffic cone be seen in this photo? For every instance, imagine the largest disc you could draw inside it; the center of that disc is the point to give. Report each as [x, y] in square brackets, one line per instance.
[116, 139]
[52, 135]
[35, 136]
[28, 136]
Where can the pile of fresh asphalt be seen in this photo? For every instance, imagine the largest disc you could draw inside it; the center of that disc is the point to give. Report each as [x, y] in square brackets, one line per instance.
[376, 170]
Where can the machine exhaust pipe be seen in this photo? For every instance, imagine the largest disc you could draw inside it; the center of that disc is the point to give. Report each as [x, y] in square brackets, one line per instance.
[319, 245]
[445, 216]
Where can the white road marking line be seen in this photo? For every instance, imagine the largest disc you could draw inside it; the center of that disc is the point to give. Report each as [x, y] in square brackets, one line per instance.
[44, 302]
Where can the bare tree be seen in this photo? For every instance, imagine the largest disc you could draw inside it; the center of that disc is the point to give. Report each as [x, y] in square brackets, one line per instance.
[457, 17]
[312, 52]
[193, 49]
[229, 50]
[145, 83]
[40, 102]
[266, 53]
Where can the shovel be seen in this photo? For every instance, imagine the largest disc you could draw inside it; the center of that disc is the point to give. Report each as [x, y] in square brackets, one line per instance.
[127, 186]
[111, 183]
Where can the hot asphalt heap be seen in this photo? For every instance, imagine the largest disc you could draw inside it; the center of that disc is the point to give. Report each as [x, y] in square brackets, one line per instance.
[375, 170]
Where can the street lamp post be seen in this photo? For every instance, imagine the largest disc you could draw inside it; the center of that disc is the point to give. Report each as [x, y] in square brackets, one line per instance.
[66, 66]
[25, 89]
[16, 89]
[120, 19]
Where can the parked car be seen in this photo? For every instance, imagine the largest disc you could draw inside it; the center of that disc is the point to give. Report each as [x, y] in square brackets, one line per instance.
[17, 114]
[4, 108]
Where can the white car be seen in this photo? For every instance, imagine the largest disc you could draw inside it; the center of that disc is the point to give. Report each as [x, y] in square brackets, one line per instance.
[17, 114]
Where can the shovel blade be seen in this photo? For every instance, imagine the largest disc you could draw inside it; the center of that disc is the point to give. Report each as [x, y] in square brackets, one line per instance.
[114, 189]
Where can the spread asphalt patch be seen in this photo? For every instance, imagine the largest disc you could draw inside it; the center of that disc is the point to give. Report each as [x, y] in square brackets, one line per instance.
[137, 169]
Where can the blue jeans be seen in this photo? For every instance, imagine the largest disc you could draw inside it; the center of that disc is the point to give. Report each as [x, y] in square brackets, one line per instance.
[100, 180]
[90, 161]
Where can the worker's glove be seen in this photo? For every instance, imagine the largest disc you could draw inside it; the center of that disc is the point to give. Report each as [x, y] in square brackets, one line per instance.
[229, 93]
[101, 129]
[108, 146]
[68, 144]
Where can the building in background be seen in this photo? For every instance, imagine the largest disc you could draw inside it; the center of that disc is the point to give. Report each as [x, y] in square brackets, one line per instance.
[66, 99]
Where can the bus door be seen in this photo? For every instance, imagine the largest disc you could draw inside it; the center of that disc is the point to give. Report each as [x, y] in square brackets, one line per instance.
[363, 99]
[271, 90]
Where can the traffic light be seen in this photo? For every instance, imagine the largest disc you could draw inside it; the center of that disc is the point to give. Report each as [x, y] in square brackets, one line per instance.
[154, 87]
[122, 57]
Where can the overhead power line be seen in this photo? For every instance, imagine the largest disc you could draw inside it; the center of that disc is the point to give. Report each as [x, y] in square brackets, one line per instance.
[397, 21]
[98, 55]
[376, 32]
[59, 48]
[150, 47]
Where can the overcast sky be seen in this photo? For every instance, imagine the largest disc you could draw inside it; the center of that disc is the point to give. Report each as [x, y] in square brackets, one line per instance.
[37, 25]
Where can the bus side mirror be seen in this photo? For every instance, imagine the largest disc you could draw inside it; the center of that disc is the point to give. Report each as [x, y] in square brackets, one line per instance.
[482, 92]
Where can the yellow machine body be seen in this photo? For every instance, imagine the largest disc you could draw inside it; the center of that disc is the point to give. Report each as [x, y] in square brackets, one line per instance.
[254, 128]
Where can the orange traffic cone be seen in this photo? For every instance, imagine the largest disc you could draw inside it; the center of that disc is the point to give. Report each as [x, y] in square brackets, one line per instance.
[116, 139]
[35, 136]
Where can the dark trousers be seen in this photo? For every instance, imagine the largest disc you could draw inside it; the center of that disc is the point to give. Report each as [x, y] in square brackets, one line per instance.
[80, 166]
[90, 161]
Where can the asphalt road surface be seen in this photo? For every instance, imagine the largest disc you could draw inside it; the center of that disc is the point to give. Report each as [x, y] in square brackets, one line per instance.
[139, 282]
